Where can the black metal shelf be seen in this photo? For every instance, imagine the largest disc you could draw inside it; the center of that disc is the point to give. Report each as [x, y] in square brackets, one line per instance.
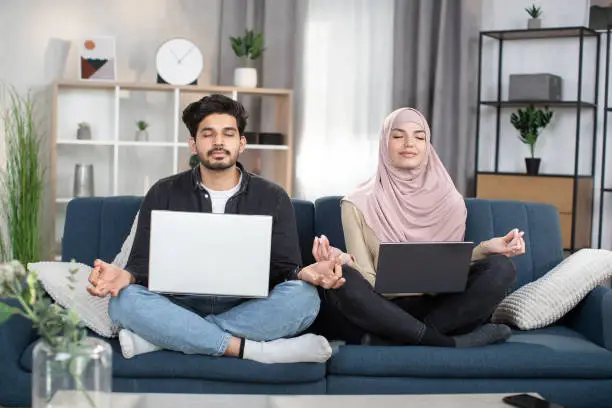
[541, 33]
[581, 34]
[602, 179]
[552, 104]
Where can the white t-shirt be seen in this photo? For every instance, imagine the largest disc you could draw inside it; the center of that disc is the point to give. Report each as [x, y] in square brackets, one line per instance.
[219, 198]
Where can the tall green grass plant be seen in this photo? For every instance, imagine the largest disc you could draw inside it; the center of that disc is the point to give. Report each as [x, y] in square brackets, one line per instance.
[22, 181]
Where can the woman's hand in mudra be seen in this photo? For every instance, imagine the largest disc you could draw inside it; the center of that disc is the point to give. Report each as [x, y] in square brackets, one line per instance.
[323, 251]
[510, 245]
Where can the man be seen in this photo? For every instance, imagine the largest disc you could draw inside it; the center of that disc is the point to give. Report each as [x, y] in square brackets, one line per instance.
[218, 326]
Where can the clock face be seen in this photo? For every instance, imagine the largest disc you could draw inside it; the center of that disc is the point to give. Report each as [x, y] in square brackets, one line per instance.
[179, 62]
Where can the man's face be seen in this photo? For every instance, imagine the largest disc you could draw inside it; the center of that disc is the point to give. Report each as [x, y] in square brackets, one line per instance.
[218, 142]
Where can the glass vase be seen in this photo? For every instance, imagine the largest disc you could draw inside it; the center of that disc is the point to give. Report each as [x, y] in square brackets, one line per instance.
[79, 377]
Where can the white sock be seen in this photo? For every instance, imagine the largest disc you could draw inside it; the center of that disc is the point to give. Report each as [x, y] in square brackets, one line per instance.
[132, 344]
[308, 348]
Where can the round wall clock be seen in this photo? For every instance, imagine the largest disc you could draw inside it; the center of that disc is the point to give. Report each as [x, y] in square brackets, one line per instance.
[179, 62]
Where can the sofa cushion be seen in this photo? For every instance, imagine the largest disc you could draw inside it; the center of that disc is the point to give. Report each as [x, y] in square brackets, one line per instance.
[545, 300]
[121, 259]
[92, 310]
[304, 218]
[328, 220]
[543, 245]
[553, 352]
[170, 364]
[96, 227]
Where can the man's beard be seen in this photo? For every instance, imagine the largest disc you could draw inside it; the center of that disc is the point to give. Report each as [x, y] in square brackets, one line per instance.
[212, 164]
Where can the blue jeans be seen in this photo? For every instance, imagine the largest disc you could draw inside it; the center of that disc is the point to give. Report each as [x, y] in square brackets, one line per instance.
[205, 324]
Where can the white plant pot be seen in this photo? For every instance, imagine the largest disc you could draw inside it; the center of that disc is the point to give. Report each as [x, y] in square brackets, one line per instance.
[245, 77]
[534, 23]
[142, 136]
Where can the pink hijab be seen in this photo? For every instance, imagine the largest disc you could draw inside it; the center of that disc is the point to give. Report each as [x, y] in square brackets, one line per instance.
[421, 204]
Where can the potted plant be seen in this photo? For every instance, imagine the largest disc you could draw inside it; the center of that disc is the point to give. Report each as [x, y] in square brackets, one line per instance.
[84, 131]
[248, 47]
[21, 182]
[529, 122]
[68, 367]
[534, 12]
[141, 134]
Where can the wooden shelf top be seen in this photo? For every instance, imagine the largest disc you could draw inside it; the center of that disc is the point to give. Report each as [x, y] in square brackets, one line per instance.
[540, 33]
[75, 142]
[144, 86]
[502, 173]
[552, 104]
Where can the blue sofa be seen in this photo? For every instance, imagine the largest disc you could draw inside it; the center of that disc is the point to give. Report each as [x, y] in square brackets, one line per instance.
[569, 363]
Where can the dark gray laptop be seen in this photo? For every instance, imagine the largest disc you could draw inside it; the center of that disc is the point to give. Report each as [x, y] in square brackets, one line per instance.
[423, 267]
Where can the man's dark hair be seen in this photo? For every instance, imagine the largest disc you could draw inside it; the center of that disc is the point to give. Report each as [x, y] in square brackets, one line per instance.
[208, 105]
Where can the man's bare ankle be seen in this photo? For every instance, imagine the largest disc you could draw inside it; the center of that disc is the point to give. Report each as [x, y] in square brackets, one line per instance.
[233, 347]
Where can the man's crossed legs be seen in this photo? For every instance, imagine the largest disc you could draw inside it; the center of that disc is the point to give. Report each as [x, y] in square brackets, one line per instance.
[254, 329]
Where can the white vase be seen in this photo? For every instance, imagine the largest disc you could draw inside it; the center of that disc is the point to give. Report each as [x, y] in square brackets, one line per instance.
[81, 378]
[245, 77]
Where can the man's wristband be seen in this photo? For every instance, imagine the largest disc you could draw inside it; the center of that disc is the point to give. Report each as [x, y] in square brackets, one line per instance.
[295, 275]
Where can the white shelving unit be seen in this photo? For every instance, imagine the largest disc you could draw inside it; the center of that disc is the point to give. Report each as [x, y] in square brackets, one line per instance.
[124, 166]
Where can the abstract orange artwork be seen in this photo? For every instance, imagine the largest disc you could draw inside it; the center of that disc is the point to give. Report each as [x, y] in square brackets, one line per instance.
[97, 59]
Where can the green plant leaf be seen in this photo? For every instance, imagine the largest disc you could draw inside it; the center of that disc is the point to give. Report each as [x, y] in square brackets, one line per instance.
[6, 312]
[237, 46]
[32, 288]
[257, 47]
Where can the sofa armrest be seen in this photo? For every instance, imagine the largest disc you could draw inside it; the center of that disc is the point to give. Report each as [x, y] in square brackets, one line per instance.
[16, 334]
[593, 317]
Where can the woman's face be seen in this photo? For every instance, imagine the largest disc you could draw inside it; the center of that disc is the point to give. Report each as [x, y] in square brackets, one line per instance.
[407, 146]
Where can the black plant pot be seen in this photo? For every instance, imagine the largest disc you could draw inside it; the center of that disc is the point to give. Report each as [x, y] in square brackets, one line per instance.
[252, 137]
[533, 166]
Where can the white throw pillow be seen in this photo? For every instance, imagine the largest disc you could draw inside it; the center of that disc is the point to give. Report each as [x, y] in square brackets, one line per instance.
[92, 310]
[544, 301]
[122, 257]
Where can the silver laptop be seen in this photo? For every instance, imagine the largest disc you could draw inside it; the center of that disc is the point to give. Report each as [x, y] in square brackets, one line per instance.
[423, 267]
[210, 254]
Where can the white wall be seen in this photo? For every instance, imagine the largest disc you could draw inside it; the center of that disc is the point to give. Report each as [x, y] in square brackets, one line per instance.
[35, 32]
[37, 41]
[37, 47]
[557, 56]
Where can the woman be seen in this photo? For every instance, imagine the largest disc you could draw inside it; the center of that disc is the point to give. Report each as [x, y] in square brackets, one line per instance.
[412, 198]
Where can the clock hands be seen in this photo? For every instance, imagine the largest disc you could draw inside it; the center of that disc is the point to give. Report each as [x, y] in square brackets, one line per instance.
[183, 57]
[177, 58]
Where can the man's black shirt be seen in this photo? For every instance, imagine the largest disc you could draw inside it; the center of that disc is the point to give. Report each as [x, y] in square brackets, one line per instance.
[256, 196]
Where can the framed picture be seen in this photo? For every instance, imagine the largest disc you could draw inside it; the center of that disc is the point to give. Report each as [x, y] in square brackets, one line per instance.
[97, 60]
